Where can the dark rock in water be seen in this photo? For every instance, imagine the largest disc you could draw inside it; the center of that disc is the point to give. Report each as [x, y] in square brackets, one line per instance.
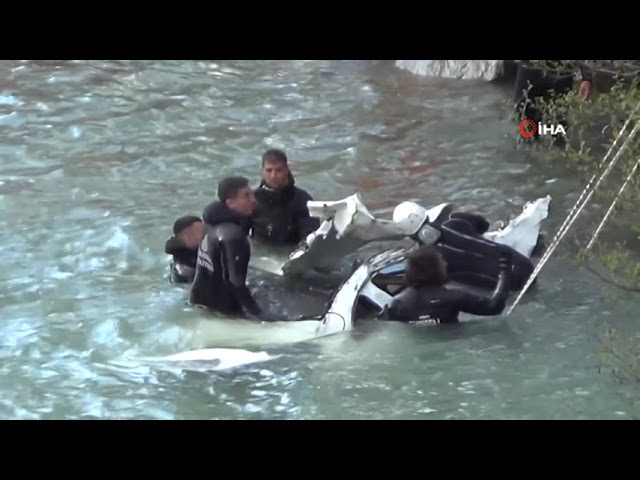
[510, 70]
[607, 73]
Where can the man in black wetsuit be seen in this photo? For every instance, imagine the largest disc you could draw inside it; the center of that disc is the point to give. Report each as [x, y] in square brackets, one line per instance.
[426, 298]
[459, 237]
[281, 216]
[461, 234]
[224, 253]
[188, 232]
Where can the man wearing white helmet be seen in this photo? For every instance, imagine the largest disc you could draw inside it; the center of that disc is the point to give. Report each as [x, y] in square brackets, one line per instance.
[470, 258]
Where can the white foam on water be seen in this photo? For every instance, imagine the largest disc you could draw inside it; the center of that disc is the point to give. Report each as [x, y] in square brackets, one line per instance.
[10, 100]
[231, 332]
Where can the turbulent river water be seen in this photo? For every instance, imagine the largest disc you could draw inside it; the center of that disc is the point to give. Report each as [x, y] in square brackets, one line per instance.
[98, 158]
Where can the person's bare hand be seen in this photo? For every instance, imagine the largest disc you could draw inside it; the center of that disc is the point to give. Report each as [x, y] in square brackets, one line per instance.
[585, 90]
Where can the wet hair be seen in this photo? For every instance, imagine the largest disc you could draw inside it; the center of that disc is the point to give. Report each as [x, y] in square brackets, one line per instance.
[274, 156]
[183, 223]
[230, 186]
[425, 268]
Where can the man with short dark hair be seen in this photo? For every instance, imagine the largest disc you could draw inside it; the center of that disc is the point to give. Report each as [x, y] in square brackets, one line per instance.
[188, 232]
[224, 253]
[427, 298]
[281, 216]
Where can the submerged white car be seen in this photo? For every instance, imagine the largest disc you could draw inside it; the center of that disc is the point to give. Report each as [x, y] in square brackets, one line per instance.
[348, 225]
[372, 284]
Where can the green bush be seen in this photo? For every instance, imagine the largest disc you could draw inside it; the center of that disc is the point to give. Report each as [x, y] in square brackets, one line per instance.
[592, 127]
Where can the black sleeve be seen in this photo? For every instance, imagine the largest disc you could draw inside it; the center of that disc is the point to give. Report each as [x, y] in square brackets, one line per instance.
[181, 254]
[305, 223]
[172, 245]
[486, 306]
[480, 224]
[395, 311]
[471, 303]
[236, 253]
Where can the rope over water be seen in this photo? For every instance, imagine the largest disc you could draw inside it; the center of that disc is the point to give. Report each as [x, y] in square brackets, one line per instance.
[613, 204]
[575, 210]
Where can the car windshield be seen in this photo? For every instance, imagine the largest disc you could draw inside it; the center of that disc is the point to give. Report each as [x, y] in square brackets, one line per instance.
[390, 278]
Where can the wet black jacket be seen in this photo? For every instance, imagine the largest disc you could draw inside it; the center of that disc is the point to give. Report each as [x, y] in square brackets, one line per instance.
[473, 259]
[479, 225]
[223, 262]
[281, 216]
[183, 266]
[443, 305]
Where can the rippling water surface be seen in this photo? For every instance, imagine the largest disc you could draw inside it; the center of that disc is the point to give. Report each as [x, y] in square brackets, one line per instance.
[98, 159]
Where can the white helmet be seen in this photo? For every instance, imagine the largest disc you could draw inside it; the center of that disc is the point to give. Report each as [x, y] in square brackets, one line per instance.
[409, 216]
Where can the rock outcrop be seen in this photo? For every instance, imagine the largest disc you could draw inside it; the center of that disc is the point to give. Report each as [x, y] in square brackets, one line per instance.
[463, 69]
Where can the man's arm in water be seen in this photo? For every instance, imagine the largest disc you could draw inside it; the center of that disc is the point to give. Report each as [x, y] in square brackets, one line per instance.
[236, 255]
[304, 221]
[494, 304]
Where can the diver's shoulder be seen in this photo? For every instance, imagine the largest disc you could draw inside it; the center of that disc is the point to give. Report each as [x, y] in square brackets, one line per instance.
[172, 245]
[302, 195]
[227, 231]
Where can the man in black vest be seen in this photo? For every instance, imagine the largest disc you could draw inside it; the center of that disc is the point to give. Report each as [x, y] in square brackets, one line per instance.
[281, 216]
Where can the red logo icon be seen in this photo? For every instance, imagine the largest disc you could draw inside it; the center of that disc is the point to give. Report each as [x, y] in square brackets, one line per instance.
[527, 128]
